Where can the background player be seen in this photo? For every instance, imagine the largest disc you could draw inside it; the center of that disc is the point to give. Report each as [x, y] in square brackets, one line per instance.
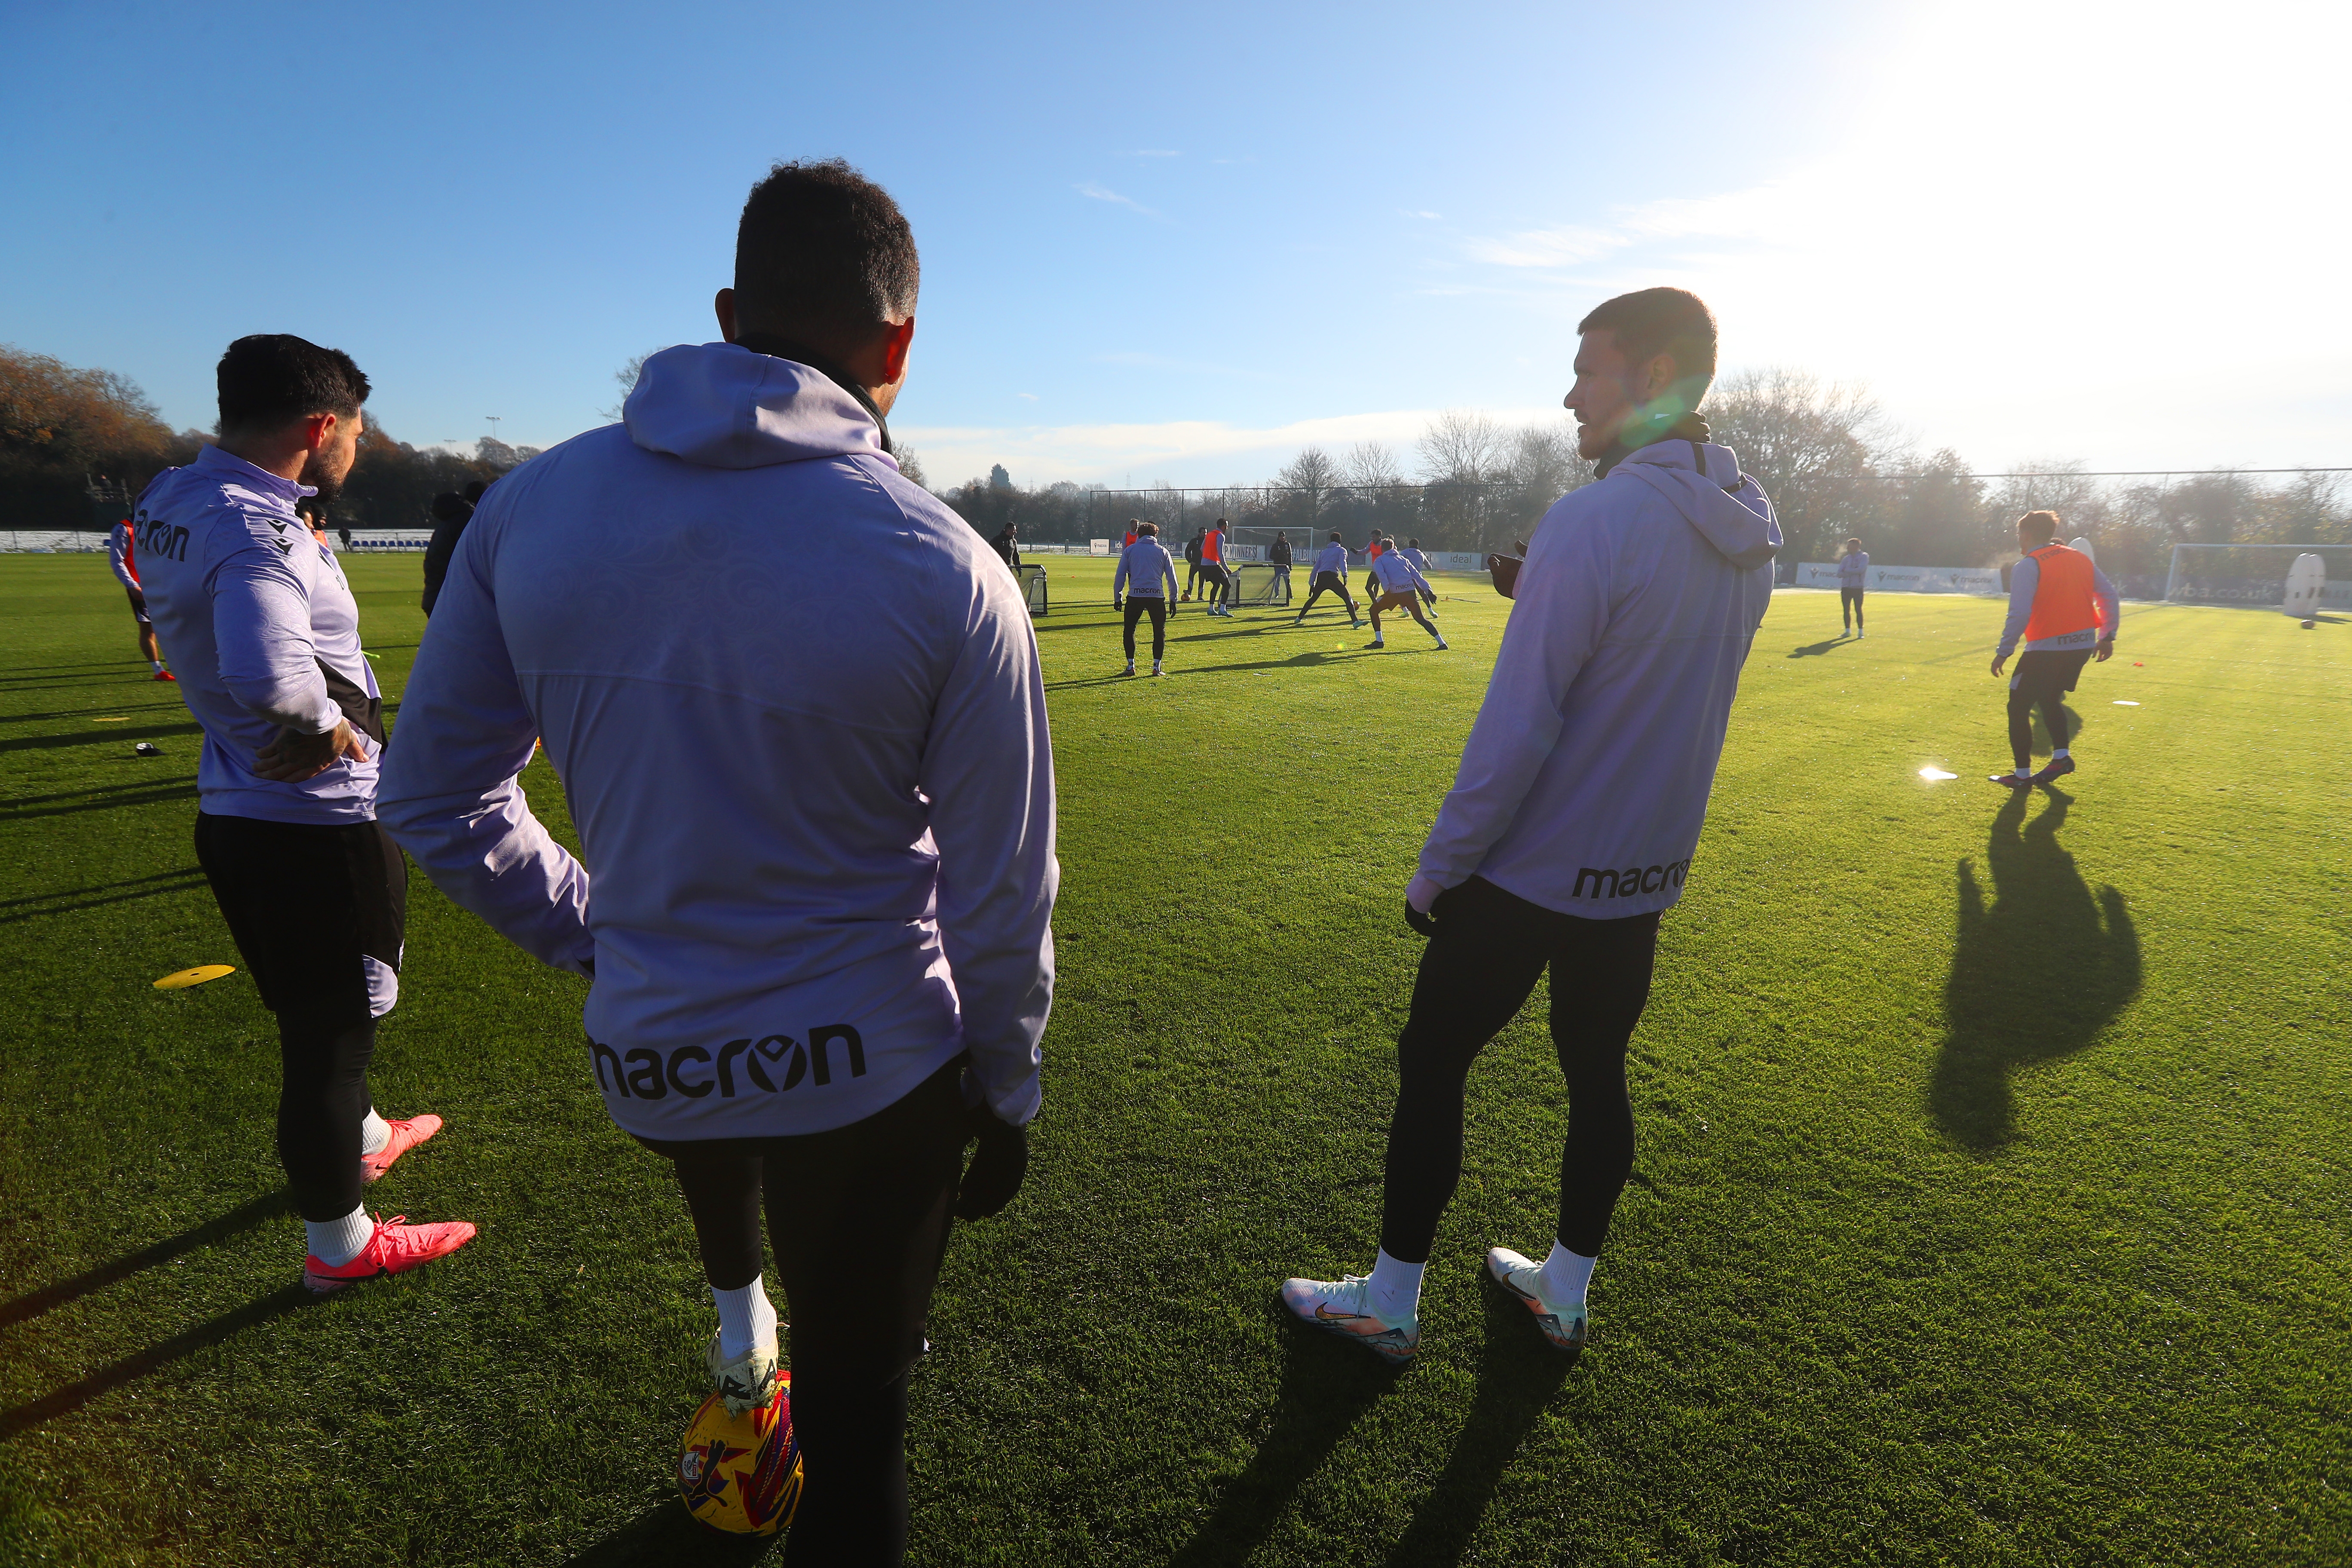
[1412, 552]
[265, 634]
[1192, 561]
[1578, 801]
[1278, 555]
[1214, 571]
[1142, 567]
[1399, 583]
[2066, 610]
[122, 554]
[1330, 578]
[1853, 575]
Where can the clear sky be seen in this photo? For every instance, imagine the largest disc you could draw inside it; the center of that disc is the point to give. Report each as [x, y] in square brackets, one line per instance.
[1176, 243]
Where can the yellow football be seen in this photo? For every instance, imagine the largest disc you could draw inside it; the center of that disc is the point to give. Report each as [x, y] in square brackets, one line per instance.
[742, 1473]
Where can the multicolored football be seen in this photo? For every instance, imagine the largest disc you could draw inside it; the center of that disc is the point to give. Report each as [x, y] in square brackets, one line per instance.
[742, 1473]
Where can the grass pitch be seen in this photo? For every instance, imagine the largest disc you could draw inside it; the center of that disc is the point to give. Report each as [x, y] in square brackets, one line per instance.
[1992, 1203]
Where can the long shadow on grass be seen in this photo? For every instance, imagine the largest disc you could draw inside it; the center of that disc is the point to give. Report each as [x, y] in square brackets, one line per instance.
[665, 1535]
[96, 737]
[2036, 974]
[106, 799]
[1815, 649]
[242, 1217]
[181, 882]
[1518, 1373]
[1327, 1387]
[132, 1368]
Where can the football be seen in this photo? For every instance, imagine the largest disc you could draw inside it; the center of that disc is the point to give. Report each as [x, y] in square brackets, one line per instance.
[742, 1473]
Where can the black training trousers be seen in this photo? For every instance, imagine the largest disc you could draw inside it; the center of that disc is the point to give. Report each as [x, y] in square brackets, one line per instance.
[1330, 583]
[2043, 678]
[1850, 608]
[1138, 606]
[1489, 949]
[307, 904]
[859, 1218]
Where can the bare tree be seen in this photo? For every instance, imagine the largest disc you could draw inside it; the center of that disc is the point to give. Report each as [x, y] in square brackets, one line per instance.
[911, 466]
[1817, 449]
[1311, 476]
[1542, 463]
[626, 377]
[1461, 447]
[1372, 466]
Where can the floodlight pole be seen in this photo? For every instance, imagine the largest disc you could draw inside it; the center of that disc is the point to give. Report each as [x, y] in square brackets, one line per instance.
[494, 419]
[2172, 582]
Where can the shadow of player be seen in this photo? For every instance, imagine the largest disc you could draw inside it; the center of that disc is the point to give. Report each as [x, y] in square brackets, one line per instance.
[667, 1536]
[1326, 1389]
[1519, 1374]
[1815, 649]
[2036, 974]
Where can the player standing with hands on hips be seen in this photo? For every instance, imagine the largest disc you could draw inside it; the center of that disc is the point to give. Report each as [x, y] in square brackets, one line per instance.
[1572, 822]
[2066, 610]
[822, 843]
[1143, 566]
[257, 616]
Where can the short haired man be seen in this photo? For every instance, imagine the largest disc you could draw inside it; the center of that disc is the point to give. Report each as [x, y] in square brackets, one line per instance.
[1330, 578]
[822, 842]
[1133, 529]
[1278, 555]
[1853, 575]
[1192, 549]
[1142, 567]
[123, 555]
[1401, 584]
[1213, 570]
[1413, 552]
[1571, 821]
[2066, 610]
[265, 634]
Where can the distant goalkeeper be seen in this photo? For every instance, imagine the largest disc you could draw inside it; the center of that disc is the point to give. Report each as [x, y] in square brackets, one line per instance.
[1399, 583]
[1330, 578]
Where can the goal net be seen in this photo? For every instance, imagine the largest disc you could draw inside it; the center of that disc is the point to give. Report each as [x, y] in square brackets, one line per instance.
[1255, 584]
[2253, 574]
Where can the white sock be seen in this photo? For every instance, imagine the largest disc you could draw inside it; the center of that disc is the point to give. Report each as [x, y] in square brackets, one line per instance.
[2058, 753]
[1566, 1274]
[1395, 1290]
[2025, 770]
[158, 664]
[745, 1319]
[374, 1133]
[337, 1241]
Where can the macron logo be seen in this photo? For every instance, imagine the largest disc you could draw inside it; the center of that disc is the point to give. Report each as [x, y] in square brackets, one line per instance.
[1630, 881]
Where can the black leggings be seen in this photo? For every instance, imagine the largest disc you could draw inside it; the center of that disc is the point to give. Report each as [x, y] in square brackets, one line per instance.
[2043, 677]
[1479, 969]
[859, 1217]
[307, 904]
[1329, 582]
[1138, 606]
[1850, 608]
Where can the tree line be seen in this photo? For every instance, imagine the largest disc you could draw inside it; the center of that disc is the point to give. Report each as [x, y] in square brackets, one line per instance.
[78, 446]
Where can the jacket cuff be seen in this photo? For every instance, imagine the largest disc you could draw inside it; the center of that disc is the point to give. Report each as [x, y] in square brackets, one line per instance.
[1423, 891]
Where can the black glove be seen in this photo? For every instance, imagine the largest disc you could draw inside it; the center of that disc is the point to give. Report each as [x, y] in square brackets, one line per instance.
[996, 1168]
[1425, 924]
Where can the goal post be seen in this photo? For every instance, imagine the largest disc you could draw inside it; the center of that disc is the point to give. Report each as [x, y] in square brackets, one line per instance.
[1032, 588]
[2253, 574]
[1260, 584]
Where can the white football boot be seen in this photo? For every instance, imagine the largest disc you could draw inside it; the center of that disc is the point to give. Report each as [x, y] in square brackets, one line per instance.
[1562, 1323]
[1342, 1307]
[747, 1383]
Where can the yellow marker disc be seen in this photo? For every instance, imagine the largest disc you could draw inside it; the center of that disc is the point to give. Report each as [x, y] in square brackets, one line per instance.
[118, 719]
[196, 976]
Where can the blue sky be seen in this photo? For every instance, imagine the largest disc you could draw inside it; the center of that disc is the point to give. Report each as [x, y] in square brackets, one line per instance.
[1178, 243]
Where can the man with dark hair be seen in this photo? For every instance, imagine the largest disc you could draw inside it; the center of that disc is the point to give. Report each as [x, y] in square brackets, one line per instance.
[1192, 549]
[1330, 578]
[265, 631]
[1278, 553]
[1572, 822]
[1396, 580]
[123, 555]
[1412, 552]
[822, 842]
[1213, 570]
[2066, 610]
[1142, 567]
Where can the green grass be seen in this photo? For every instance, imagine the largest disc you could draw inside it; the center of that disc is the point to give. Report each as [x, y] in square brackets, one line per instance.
[1991, 1204]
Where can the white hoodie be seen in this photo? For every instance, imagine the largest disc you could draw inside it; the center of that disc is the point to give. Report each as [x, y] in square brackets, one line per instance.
[1584, 783]
[795, 706]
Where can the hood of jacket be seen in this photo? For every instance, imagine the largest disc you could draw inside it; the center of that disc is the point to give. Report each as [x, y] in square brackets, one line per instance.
[1729, 510]
[721, 405]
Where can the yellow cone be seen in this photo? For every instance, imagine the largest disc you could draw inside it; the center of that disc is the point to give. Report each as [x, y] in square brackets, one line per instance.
[196, 976]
